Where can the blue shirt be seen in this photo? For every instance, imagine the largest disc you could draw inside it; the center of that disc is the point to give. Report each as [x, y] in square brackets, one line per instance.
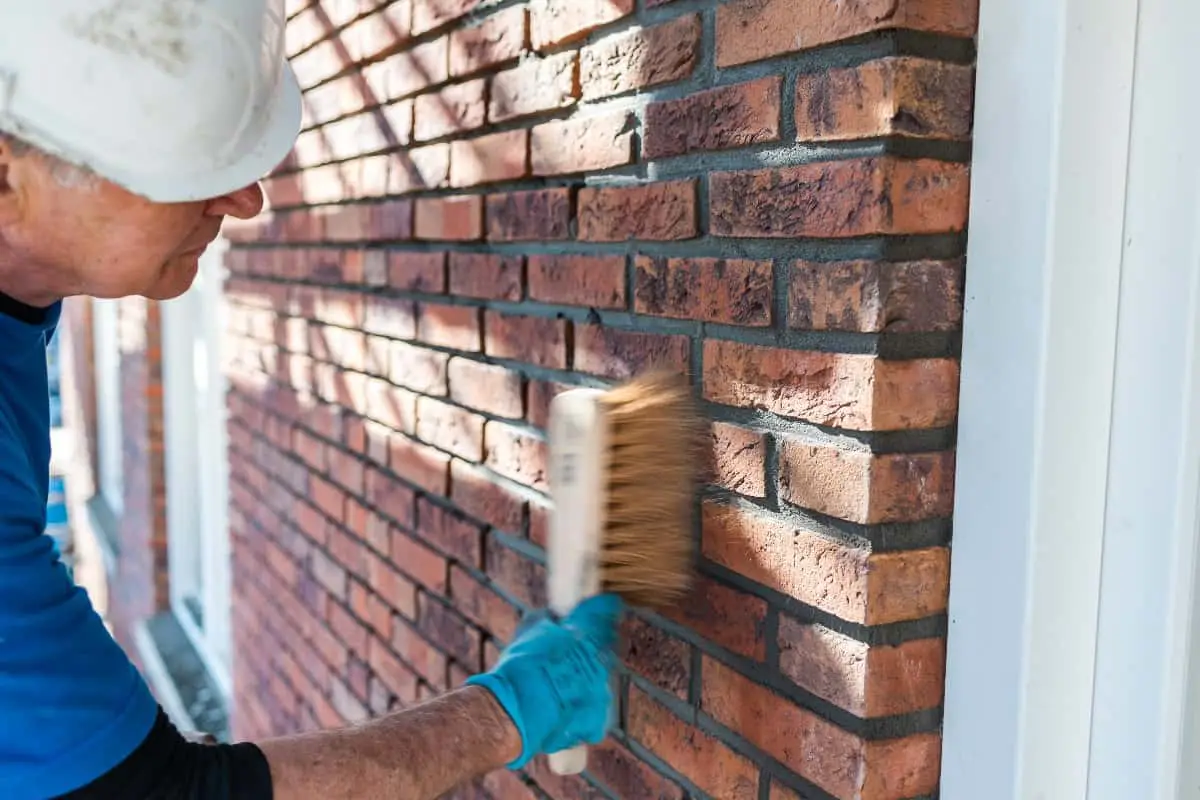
[72, 705]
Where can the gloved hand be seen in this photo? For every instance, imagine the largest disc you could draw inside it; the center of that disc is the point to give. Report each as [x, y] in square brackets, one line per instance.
[554, 680]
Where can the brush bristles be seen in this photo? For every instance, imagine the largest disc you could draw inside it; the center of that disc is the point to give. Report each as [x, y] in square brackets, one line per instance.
[652, 466]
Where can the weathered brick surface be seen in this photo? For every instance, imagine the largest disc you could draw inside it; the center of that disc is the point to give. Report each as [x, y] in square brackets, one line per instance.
[494, 202]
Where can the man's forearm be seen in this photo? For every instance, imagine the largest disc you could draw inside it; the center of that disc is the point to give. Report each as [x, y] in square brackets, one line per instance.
[418, 754]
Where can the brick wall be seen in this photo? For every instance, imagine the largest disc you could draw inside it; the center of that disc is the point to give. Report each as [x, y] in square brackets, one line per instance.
[495, 200]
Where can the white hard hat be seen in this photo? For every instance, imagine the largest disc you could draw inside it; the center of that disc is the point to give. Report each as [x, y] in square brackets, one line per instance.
[175, 100]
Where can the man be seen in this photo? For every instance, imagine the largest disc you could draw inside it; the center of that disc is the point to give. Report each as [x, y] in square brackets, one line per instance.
[128, 131]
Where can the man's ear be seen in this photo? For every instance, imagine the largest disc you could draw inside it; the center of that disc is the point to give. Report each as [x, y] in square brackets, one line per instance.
[10, 198]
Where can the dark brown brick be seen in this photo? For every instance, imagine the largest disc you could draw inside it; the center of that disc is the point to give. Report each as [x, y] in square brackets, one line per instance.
[654, 211]
[899, 96]
[656, 655]
[485, 275]
[621, 354]
[733, 291]
[540, 214]
[878, 195]
[716, 119]
[874, 297]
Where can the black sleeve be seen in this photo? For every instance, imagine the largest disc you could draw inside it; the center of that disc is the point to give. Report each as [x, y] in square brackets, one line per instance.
[166, 766]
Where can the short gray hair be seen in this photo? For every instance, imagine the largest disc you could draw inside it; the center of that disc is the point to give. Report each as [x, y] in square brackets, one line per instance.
[64, 172]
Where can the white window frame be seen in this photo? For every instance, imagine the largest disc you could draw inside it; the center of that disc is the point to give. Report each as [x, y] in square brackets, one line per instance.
[106, 364]
[1073, 671]
[196, 460]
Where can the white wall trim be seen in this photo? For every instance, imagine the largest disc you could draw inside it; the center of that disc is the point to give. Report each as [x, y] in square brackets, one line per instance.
[1075, 528]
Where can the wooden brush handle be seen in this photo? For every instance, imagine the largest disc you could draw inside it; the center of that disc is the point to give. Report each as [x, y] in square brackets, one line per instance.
[577, 489]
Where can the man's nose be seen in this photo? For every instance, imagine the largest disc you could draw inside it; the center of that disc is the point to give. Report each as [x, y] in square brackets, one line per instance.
[245, 203]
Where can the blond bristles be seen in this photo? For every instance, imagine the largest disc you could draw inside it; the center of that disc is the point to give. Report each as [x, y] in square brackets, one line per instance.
[653, 463]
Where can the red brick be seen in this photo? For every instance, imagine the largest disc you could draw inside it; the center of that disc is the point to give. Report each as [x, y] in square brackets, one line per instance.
[734, 291]
[896, 96]
[398, 678]
[418, 368]
[453, 327]
[717, 119]
[749, 30]
[318, 64]
[640, 59]
[393, 588]
[515, 454]
[553, 22]
[561, 787]
[328, 573]
[419, 562]
[498, 39]
[739, 459]
[507, 785]
[389, 316]
[537, 214]
[862, 197]
[705, 761]
[449, 631]
[488, 387]
[487, 159]
[422, 656]
[450, 428]
[449, 218]
[582, 144]
[409, 170]
[348, 550]
[856, 392]
[450, 533]
[328, 498]
[875, 297]
[483, 606]
[391, 406]
[867, 681]
[723, 615]
[537, 85]
[487, 275]
[656, 655]
[847, 581]
[516, 574]
[370, 608]
[596, 281]
[455, 109]
[534, 340]
[430, 14]
[627, 775]
[477, 495]
[866, 488]
[417, 272]
[654, 211]
[839, 762]
[621, 354]
[374, 34]
[349, 630]
[410, 71]
[537, 401]
[419, 464]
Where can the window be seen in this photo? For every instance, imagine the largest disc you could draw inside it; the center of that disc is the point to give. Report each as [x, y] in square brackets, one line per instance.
[197, 466]
[107, 366]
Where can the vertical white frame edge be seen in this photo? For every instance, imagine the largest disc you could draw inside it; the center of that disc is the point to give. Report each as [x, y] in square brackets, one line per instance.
[1043, 275]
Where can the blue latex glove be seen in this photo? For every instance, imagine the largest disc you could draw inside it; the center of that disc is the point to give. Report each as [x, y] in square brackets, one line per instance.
[555, 679]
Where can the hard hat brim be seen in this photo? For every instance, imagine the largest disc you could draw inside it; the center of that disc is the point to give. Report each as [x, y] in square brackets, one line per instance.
[280, 129]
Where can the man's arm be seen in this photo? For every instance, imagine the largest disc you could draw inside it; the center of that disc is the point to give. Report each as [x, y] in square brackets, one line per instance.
[419, 753]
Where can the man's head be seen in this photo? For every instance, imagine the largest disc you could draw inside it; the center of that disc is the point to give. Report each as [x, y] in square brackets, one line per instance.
[173, 115]
[65, 230]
